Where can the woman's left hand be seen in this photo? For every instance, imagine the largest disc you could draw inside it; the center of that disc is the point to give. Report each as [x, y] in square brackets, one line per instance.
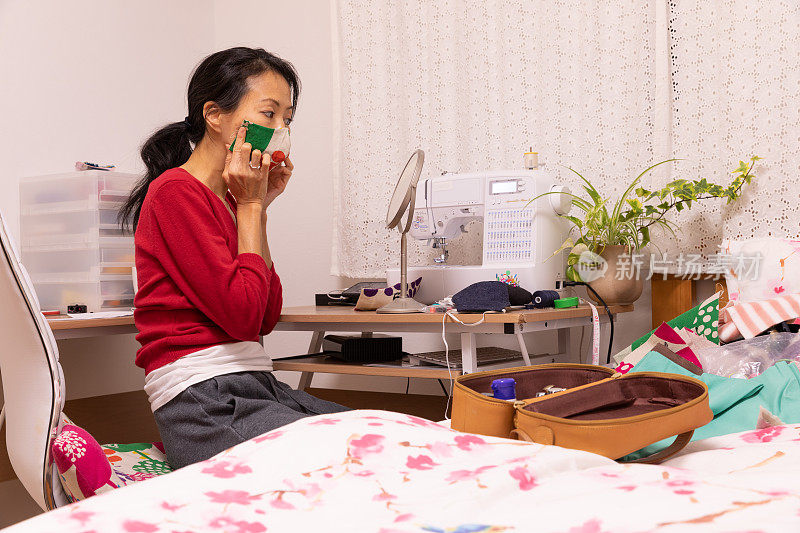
[277, 180]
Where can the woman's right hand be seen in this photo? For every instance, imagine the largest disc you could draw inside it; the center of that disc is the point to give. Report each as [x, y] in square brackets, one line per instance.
[244, 172]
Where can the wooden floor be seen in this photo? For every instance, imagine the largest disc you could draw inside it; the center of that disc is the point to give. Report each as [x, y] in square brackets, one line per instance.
[422, 405]
[126, 417]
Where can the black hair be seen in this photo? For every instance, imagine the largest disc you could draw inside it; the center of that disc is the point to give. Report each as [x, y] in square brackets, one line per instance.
[220, 78]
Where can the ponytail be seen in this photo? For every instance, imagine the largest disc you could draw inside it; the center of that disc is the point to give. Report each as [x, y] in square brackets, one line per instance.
[167, 148]
[220, 78]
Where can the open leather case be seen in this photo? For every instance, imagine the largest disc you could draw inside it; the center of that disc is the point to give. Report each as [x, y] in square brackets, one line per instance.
[600, 411]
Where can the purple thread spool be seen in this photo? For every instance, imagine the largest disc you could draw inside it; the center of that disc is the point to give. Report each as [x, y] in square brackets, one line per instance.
[504, 389]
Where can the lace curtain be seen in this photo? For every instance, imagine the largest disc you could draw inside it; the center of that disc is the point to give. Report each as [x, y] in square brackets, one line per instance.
[736, 92]
[586, 84]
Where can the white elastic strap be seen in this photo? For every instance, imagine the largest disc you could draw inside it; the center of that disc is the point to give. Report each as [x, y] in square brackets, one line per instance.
[334, 296]
[2, 416]
[447, 352]
[449, 371]
[454, 317]
[595, 333]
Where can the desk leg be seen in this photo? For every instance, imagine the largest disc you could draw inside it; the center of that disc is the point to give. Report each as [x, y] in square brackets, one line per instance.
[563, 344]
[522, 348]
[315, 346]
[469, 355]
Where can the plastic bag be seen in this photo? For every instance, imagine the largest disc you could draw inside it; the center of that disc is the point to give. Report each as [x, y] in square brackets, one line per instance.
[749, 358]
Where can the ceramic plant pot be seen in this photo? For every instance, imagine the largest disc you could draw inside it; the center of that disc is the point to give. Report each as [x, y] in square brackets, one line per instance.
[611, 289]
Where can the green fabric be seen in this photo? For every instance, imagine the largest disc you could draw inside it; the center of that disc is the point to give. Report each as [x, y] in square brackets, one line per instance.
[152, 466]
[700, 319]
[137, 447]
[257, 136]
[735, 402]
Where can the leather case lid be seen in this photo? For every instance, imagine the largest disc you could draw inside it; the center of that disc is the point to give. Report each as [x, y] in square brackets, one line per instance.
[631, 395]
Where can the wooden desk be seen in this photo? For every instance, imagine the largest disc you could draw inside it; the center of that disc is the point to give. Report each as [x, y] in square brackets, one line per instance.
[319, 320]
[65, 327]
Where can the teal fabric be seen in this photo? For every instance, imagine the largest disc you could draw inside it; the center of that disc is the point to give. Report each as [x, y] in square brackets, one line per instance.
[734, 402]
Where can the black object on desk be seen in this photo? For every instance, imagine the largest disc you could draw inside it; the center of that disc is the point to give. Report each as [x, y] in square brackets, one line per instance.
[357, 349]
[334, 299]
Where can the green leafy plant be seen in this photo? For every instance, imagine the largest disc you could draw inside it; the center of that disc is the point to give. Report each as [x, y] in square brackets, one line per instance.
[629, 220]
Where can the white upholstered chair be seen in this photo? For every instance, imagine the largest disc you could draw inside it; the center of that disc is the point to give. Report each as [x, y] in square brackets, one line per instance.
[33, 383]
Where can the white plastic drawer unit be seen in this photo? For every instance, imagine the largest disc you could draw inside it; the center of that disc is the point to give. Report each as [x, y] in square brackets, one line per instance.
[59, 291]
[75, 190]
[91, 258]
[72, 244]
[44, 227]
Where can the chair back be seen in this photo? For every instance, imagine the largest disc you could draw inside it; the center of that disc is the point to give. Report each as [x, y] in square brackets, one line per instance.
[33, 382]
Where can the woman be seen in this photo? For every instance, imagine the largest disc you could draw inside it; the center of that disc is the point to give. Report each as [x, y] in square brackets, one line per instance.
[207, 283]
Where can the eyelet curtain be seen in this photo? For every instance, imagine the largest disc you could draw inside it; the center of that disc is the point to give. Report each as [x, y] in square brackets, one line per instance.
[606, 88]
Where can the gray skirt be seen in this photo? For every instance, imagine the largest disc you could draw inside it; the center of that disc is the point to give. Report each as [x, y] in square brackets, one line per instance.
[215, 414]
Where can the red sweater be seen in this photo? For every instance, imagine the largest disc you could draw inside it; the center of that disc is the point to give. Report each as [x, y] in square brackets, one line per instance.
[195, 289]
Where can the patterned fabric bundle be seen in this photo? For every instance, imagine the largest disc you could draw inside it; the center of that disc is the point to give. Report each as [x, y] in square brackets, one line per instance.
[702, 319]
[751, 318]
[697, 325]
[678, 341]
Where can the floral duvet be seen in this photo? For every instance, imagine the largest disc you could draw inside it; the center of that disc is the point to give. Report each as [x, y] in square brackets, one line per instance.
[388, 472]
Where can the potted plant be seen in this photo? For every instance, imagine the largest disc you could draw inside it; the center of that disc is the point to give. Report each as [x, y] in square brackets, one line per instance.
[604, 234]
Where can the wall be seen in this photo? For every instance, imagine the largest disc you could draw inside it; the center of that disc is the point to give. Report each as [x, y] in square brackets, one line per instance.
[88, 80]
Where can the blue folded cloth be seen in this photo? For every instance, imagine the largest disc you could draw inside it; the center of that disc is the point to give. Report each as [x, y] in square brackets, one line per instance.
[735, 402]
[482, 296]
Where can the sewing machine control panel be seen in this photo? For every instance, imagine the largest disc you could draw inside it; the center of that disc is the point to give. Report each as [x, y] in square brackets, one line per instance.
[509, 235]
[509, 223]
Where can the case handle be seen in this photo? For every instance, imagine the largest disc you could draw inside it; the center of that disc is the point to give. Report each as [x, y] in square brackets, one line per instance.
[678, 444]
[541, 435]
[544, 435]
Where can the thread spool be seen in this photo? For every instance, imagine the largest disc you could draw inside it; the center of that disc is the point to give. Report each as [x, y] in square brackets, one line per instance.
[504, 389]
[542, 299]
[531, 159]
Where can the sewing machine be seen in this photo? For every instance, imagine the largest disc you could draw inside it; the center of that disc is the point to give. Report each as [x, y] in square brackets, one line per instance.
[518, 239]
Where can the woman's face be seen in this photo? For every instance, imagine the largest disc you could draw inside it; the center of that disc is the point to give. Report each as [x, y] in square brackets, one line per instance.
[268, 102]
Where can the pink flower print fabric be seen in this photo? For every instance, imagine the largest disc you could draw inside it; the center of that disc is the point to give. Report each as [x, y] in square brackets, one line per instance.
[411, 475]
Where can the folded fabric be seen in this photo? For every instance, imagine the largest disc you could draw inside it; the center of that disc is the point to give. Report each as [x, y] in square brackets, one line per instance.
[735, 402]
[482, 296]
[752, 318]
[663, 335]
[694, 341]
[702, 320]
[728, 332]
